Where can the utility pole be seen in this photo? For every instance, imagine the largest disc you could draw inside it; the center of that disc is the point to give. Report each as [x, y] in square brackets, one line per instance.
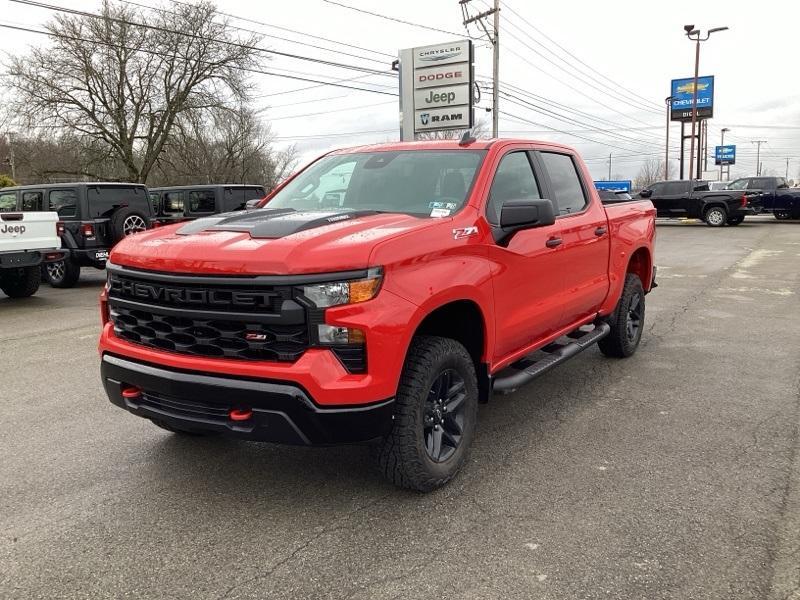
[494, 38]
[758, 154]
[609, 166]
[722, 143]
[787, 167]
[667, 101]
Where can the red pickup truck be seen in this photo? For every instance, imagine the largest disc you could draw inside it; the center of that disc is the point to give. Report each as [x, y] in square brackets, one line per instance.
[377, 296]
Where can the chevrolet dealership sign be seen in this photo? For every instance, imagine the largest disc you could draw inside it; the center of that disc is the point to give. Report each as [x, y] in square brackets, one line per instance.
[436, 85]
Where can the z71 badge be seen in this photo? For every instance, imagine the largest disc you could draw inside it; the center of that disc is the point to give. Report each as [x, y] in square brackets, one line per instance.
[464, 232]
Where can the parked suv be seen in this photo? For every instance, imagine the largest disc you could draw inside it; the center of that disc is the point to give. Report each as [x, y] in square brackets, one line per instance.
[183, 203]
[92, 217]
[694, 199]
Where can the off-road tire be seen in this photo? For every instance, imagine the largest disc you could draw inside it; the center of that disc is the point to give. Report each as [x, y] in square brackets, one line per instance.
[402, 456]
[181, 431]
[733, 221]
[716, 216]
[619, 343]
[127, 221]
[62, 274]
[20, 282]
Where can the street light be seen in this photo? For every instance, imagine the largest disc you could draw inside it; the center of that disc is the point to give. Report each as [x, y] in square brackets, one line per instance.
[667, 101]
[695, 36]
[722, 143]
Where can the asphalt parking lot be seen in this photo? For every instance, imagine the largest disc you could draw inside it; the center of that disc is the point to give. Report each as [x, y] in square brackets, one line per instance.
[673, 474]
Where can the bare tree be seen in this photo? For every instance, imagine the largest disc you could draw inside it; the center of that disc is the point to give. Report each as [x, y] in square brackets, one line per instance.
[652, 170]
[222, 146]
[123, 79]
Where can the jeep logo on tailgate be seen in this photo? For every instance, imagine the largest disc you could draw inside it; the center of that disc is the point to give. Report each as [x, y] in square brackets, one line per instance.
[13, 229]
[189, 296]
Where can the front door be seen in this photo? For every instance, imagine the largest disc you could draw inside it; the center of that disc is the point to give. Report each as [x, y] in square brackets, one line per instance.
[527, 285]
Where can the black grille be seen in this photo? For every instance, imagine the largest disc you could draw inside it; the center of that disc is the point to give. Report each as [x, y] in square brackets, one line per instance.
[236, 320]
[177, 407]
[354, 358]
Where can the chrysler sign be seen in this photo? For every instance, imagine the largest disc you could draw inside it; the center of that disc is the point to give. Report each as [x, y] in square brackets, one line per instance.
[436, 85]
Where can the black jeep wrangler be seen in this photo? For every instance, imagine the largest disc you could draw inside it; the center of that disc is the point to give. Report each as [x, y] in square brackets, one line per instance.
[92, 218]
[187, 202]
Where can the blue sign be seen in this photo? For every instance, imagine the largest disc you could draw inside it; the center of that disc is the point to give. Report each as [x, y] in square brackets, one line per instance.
[682, 92]
[614, 186]
[725, 155]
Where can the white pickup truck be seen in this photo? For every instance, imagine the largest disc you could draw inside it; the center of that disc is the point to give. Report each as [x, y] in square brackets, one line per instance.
[27, 239]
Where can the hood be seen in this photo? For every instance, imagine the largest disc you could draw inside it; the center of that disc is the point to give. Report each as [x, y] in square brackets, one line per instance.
[266, 242]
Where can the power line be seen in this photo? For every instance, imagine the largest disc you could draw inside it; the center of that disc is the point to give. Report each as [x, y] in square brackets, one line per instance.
[325, 112]
[388, 18]
[74, 11]
[164, 55]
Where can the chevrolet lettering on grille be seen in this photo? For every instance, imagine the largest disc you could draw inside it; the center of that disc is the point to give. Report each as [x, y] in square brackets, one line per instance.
[189, 296]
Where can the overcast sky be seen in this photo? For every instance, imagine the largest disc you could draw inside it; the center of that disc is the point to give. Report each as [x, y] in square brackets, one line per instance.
[639, 46]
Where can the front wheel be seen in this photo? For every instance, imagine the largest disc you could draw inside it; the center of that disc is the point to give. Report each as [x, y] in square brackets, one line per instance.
[435, 414]
[627, 321]
[20, 282]
[716, 216]
[736, 220]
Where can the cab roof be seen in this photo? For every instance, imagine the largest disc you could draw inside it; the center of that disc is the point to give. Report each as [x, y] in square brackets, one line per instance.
[481, 144]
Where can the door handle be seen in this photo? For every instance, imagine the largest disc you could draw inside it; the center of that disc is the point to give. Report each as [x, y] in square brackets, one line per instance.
[553, 242]
[600, 231]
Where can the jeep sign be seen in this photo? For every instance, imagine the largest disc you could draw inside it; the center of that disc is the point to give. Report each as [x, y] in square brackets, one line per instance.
[436, 85]
[441, 96]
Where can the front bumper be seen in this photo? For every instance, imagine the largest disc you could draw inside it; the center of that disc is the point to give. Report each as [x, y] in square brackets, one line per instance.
[281, 411]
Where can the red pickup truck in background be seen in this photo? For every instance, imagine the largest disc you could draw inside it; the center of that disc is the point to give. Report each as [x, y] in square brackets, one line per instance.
[377, 296]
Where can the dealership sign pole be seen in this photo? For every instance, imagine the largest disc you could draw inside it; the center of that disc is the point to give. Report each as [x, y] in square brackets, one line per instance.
[436, 88]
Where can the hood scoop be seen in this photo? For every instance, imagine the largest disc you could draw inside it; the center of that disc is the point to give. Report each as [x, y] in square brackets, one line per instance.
[271, 223]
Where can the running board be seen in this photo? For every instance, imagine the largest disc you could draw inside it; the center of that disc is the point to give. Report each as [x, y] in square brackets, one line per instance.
[556, 354]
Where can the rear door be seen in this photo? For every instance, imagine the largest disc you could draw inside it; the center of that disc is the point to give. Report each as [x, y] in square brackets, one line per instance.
[770, 199]
[526, 280]
[583, 259]
[675, 198]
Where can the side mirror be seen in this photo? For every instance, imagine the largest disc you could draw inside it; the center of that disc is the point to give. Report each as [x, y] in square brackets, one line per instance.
[251, 204]
[645, 193]
[517, 215]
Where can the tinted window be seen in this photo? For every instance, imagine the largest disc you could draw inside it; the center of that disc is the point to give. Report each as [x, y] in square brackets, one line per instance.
[419, 182]
[155, 200]
[201, 201]
[173, 202]
[32, 201]
[675, 188]
[514, 180]
[700, 186]
[236, 198]
[253, 193]
[565, 181]
[8, 201]
[782, 183]
[103, 201]
[739, 184]
[64, 202]
[761, 183]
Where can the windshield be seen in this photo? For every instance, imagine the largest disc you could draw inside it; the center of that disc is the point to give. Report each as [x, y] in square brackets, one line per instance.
[418, 182]
[739, 184]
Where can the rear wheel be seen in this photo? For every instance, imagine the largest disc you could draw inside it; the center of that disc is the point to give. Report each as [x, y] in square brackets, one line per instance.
[716, 216]
[782, 215]
[627, 321]
[435, 416]
[735, 220]
[63, 273]
[20, 282]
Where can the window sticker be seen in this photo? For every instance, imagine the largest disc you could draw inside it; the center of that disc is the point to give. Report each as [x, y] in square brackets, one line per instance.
[440, 212]
[451, 206]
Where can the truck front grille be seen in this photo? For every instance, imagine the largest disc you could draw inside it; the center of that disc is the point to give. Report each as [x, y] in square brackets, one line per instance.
[236, 318]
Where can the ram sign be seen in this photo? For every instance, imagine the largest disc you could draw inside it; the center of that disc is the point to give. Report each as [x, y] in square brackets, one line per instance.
[436, 85]
[683, 96]
[724, 155]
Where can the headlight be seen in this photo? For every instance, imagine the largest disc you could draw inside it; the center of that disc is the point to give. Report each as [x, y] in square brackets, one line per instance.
[337, 293]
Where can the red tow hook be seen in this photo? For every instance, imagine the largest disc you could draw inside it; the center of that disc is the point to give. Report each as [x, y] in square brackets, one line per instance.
[131, 393]
[240, 414]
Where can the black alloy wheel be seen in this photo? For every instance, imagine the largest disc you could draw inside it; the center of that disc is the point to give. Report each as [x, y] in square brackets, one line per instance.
[443, 420]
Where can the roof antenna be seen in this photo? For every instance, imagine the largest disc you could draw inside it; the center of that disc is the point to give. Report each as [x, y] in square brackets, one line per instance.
[466, 139]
